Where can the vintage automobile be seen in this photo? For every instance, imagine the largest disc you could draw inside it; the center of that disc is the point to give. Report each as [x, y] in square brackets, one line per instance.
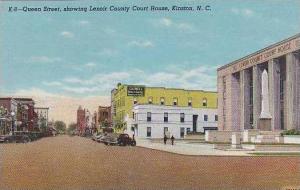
[124, 140]
[109, 139]
[97, 136]
[18, 138]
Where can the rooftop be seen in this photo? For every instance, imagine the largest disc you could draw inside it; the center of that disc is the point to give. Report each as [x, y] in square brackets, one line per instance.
[260, 51]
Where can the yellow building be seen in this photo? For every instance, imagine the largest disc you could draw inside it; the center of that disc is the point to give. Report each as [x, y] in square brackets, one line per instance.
[125, 96]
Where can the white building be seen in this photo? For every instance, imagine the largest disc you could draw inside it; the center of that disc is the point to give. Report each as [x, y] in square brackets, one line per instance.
[153, 121]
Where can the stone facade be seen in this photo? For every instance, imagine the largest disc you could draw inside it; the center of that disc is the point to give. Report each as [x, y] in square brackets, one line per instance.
[240, 87]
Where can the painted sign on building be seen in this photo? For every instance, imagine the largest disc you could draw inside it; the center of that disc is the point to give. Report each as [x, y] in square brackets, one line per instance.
[133, 90]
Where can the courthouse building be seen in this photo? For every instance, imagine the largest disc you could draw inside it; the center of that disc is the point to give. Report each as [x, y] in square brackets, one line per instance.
[240, 88]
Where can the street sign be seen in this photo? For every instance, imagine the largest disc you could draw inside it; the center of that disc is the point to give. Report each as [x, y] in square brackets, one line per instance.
[135, 90]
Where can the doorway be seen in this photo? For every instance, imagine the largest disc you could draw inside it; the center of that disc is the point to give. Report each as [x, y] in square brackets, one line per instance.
[195, 119]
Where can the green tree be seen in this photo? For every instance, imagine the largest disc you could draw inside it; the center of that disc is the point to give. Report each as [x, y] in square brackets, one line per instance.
[120, 125]
[60, 126]
[71, 128]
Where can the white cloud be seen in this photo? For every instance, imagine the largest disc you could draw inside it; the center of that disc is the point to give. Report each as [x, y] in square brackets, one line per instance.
[67, 34]
[165, 22]
[243, 12]
[44, 59]
[84, 22]
[168, 23]
[53, 83]
[141, 44]
[90, 64]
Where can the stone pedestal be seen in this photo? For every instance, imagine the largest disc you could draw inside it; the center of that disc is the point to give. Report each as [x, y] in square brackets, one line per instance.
[236, 141]
[264, 124]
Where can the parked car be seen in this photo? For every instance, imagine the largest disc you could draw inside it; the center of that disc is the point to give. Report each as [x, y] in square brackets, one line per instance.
[18, 138]
[97, 136]
[124, 140]
[110, 139]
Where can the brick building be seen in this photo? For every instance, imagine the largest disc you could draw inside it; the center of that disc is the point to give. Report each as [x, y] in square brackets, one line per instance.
[81, 120]
[104, 115]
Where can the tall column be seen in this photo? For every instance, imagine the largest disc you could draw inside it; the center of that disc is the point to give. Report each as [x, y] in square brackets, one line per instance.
[274, 91]
[292, 77]
[297, 103]
[256, 94]
[235, 102]
[245, 99]
[221, 105]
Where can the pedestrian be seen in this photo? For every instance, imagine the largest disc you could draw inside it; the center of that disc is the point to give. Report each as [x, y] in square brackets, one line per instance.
[172, 139]
[165, 139]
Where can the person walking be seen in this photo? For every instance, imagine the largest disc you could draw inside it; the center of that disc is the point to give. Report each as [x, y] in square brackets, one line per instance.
[165, 139]
[172, 139]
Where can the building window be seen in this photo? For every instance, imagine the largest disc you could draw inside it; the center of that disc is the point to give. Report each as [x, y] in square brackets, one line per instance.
[216, 118]
[162, 101]
[150, 99]
[204, 102]
[175, 101]
[166, 117]
[188, 130]
[148, 116]
[132, 115]
[148, 131]
[190, 102]
[181, 117]
[166, 130]
[135, 101]
[205, 117]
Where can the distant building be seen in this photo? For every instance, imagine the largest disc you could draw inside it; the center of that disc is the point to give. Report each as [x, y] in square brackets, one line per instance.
[155, 121]
[26, 113]
[104, 115]
[42, 116]
[23, 109]
[81, 121]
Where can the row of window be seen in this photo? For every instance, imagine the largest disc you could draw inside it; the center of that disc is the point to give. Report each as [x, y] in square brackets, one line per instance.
[175, 101]
[182, 116]
[166, 130]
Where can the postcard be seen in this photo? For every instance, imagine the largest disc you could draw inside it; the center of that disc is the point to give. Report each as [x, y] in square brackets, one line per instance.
[149, 94]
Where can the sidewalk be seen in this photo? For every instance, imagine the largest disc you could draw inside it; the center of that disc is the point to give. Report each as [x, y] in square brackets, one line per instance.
[185, 148]
[197, 149]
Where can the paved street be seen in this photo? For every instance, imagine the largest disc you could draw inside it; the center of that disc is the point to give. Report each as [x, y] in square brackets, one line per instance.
[78, 163]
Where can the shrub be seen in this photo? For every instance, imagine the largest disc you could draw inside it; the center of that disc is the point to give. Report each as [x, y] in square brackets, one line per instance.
[291, 132]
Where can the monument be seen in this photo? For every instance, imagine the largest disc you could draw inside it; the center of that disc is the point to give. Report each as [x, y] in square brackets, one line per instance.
[265, 117]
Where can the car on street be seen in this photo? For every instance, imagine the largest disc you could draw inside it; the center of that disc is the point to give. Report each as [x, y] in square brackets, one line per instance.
[97, 136]
[110, 139]
[124, 140]
[17, 138]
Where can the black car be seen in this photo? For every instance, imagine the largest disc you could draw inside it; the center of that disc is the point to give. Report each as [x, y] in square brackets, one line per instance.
[18, 138]
[124, 140]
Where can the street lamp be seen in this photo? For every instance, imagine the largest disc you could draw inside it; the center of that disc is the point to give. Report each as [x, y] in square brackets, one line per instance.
[12, 122]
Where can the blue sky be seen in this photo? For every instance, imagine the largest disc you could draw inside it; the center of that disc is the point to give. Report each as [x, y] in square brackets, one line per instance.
[87, 54]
